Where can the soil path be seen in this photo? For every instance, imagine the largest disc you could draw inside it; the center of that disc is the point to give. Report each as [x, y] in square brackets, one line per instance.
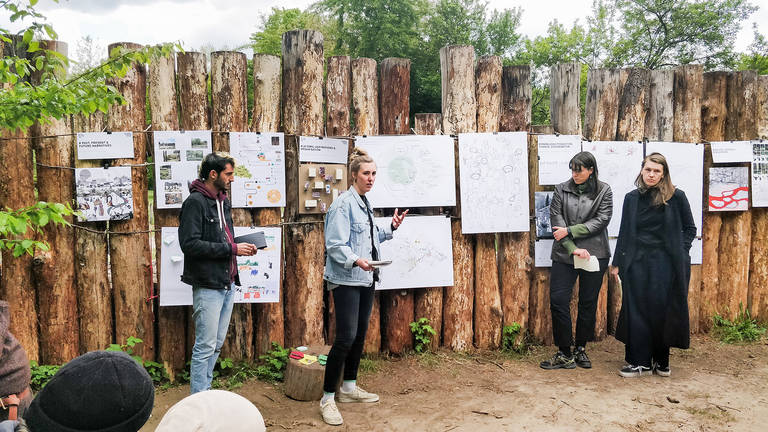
[713, 387]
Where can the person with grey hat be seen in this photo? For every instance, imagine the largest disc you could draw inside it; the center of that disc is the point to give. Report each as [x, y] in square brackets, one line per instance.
[15, 394]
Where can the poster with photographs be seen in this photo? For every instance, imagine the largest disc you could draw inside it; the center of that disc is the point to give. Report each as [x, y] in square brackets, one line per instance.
[104, 145]
[760, 173]
[104, 193]
[178, 155]
[543, 224]
[260, 170]
[729, 189]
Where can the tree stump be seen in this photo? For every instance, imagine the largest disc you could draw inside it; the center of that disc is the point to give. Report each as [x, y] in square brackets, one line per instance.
[305, 382]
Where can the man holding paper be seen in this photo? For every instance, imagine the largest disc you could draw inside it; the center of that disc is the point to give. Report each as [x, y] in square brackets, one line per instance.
[580, 211]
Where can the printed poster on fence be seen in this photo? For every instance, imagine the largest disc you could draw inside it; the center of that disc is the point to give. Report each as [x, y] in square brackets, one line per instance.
[259, 274]
[729, 189]
[259, 169]
[759, 173]
[542, 200]
[493, 175]
[178, 155]
[686, 166]
[104, 193]
[323, 150]
[104, 145]
[555, 152]
[731, 151]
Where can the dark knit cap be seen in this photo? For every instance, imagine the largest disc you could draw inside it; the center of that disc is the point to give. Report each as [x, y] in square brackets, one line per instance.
[101, 391]
[14, 364]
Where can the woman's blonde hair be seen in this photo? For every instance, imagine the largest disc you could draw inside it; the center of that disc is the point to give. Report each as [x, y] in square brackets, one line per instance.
[664, 189]
[356, 157]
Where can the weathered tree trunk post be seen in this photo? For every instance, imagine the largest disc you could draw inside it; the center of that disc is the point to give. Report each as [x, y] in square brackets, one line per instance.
[304, 243]
[54, 270]
[758, 271]
[269, 320]
[687, 128]
[338, 89]
[515, 259]
[457, 70]
[130, 256]
[661, 113]
[172, 323]
[736, 231]
[428, 302]
[488, 314]
[229, 113]
[396, 305]
[713, 113]
[562, 104]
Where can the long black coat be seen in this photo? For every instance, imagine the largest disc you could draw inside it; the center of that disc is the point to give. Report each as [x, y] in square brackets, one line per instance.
[680, 232]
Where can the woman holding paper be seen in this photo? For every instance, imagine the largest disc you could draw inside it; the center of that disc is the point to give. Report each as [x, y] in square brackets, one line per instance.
[580, 211]
[352, 245]
[653, 262]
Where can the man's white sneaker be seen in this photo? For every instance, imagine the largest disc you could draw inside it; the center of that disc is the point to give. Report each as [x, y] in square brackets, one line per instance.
[357, 395]
[331, 414]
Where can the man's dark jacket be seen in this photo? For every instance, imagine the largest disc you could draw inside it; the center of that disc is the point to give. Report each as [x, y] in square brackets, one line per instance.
[207, 253]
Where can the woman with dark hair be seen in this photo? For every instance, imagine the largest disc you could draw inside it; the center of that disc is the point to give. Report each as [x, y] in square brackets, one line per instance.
[580, 211]
[653, 263]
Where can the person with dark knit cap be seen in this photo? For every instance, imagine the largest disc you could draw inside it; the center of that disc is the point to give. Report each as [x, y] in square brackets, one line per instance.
[15, 394]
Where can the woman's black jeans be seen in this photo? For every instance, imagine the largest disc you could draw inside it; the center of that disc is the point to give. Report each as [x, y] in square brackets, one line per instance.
[353, 310]
[561, 280]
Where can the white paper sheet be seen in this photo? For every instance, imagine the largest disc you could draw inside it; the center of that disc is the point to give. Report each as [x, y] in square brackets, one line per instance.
[104, 145]
[104, 194]
[323, 150]
[555, 151]
[543, 253]
[731, 151]
[260, 169]
[494, 182]
[760, 173]
[178, 156]
[421, 253]
[590, 264]
[413, 170]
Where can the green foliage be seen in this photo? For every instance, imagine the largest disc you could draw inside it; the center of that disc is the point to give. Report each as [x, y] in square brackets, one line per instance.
[742, 329]
[514, 339]
[156, 371]
[422, 333]
[273, 364]
[41, 374]
[757, 57]
[18, 228]
[269, 38]
[127, 348]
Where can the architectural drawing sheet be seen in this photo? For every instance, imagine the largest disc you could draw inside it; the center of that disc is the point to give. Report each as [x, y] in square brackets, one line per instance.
[104, 193]
[493, 175]
[760, 173]
[618, 163]
[686, 166]
[178, 155]
[555, 151]
[728, 189]
[259, 274]
[421, 253]
[413, 170]
[260, 169]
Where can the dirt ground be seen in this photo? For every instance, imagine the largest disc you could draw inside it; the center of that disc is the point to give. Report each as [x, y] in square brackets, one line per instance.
[713, 387]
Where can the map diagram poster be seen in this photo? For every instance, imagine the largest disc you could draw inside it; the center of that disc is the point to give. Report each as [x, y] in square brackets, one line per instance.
[555, 151]
[178, 156]
[259, 274]
[421, 253]
[759, 173]
[259, 169]
[686, 166]
[618, 163]
[728, 189]
[413, 170]
[104, 194]
[493, 176]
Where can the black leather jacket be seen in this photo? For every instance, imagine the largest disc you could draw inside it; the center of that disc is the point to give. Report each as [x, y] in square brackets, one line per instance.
[568, 209]
[207, 254]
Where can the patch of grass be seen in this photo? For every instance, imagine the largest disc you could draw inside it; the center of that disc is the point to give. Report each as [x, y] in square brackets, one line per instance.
[743, 329]
[516, 340]
[715, 413]
[429, 360]
[370, 365]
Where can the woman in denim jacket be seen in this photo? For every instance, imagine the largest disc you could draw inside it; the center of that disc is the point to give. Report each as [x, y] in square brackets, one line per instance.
[351, 242]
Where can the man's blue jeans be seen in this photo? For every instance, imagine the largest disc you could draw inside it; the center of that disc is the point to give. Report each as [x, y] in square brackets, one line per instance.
[211, 310]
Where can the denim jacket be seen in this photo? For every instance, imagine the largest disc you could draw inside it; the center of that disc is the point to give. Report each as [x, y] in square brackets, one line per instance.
[348, 237]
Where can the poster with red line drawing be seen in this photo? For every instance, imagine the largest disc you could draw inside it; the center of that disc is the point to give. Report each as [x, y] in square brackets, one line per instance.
[729, 189]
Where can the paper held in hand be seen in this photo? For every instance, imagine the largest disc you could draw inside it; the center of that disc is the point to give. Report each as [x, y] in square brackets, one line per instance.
[590, 264]
[379, 263]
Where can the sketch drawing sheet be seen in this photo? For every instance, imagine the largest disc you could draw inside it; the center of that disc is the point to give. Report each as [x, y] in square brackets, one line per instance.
[259, 274]
[493, 176]
[259, 169]
[618, 163]
[104, 193]
[686, 166]
[421, 253]
[728, 188]
[760, 173]
[178, 155]
[412, 170]
[555, 151]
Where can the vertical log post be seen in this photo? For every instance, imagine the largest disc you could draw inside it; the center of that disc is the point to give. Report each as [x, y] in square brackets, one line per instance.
[396, 305]
[713, 113]
[457, 71]
[130, 256]
[686, 127]
[268, 317]
[661, 113]
[229, 113]
[304, 243]
[338, 90]
[54, 269]
[487, 306]
[758, 271]
[515, 259]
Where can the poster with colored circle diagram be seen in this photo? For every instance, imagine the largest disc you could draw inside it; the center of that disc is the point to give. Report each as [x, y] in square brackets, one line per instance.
[259, 169]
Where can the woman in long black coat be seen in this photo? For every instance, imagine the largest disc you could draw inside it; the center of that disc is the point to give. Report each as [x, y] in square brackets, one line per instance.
[653, 262]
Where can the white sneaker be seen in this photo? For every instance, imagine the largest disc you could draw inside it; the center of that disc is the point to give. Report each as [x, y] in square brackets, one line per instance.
[331, 414]
[357, 395]
[632, 371]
